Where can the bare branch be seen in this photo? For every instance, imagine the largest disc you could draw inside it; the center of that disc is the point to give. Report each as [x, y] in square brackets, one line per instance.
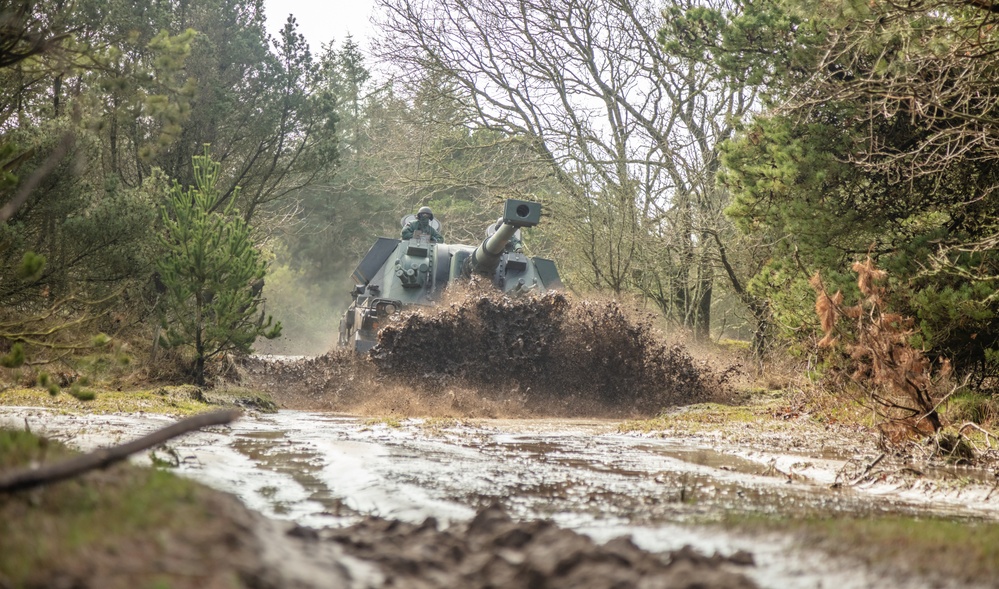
[29, 478]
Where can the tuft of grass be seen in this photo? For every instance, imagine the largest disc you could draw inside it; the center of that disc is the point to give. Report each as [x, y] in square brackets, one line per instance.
[15, 358]
[392, 421]
[699, 417]
[972, 406]
[81, 393]
[18, 448]
[437, 426]
[734, 344]
[439, 423]
[46, 382]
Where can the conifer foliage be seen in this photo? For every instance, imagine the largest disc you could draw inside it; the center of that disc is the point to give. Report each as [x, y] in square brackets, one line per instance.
[211, 273]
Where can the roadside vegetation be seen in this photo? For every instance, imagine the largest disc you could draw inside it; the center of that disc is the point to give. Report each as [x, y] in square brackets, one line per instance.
[167, 400]
[942, 549]
[126, 526]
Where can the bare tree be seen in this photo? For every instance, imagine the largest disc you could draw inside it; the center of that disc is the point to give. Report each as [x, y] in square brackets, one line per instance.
[629, 132]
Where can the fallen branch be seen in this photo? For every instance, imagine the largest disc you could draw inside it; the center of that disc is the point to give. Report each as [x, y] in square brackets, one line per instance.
[988, 435]
[867, 470]
[28, 478]
[987, 497]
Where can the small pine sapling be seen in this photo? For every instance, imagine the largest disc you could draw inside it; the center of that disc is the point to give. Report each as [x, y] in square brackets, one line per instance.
[211, 272]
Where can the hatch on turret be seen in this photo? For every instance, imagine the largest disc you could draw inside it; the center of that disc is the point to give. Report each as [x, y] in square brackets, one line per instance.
[373, 261]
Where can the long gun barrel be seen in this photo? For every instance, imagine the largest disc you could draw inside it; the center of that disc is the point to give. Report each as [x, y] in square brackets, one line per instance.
[516, 214]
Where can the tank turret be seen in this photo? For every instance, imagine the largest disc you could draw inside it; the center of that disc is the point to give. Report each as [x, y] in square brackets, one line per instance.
[399, 273]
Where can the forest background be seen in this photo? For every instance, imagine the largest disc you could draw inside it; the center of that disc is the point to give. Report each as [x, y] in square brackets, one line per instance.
[714, 161]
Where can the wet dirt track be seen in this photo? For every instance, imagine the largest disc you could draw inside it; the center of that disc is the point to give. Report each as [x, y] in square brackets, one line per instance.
[324, 470]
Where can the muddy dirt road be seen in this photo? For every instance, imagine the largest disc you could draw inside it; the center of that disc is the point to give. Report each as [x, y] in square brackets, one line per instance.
[325, 470]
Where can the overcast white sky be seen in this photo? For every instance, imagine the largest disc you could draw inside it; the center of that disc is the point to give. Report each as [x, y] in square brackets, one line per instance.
[322, 21]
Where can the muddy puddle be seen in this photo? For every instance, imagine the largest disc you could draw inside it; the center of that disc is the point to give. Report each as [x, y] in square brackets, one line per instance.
[326, 470]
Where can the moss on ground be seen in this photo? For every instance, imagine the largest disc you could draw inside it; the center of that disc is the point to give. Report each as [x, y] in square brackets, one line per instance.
[933, 547]
[169, 400]
[766, 410]
[76, 528]
[705, 417]
[389, 421]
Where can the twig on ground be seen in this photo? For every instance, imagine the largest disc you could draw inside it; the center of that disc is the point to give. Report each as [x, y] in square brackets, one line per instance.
[867, 470]
[988, 434]
[994, 487]
[28, 478]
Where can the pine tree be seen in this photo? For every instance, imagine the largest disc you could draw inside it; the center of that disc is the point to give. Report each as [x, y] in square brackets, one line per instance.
[211, 272]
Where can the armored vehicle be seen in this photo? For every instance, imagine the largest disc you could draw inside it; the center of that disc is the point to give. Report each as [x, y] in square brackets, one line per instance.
[399, 273]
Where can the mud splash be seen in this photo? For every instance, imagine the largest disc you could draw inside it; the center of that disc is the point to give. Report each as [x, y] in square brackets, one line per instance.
[487, 355]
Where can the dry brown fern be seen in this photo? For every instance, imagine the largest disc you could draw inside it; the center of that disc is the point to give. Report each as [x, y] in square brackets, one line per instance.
[897, 377]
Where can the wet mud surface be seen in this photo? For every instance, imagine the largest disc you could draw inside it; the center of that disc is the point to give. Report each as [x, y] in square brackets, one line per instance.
[344, 480]
[492, 550]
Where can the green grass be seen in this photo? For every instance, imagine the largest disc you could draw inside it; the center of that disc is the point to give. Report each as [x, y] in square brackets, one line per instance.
[700, 417]
[941, 548]
[391, 421]
[170, 400]
[70, 519]
[438, 426]
[971, 406]
[735, 344]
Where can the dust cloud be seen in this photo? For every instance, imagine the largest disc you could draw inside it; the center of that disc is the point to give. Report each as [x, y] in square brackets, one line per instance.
[482, 354]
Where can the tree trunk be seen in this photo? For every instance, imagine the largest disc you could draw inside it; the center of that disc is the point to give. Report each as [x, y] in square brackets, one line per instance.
[199, 352]
[759, 307]
[702, 315]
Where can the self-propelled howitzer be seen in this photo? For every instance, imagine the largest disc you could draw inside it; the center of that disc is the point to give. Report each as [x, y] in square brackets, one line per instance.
[399, 273]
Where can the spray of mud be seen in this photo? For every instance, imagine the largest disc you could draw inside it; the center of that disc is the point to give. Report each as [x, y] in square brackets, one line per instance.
[482, 354]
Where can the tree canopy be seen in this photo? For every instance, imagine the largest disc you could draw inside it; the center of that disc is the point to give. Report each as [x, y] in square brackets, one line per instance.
[877, 137]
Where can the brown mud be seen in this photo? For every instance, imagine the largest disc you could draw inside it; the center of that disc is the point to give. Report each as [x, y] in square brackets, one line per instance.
[362, 499]
[237, 548]
[215, 542]
[493, 551]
